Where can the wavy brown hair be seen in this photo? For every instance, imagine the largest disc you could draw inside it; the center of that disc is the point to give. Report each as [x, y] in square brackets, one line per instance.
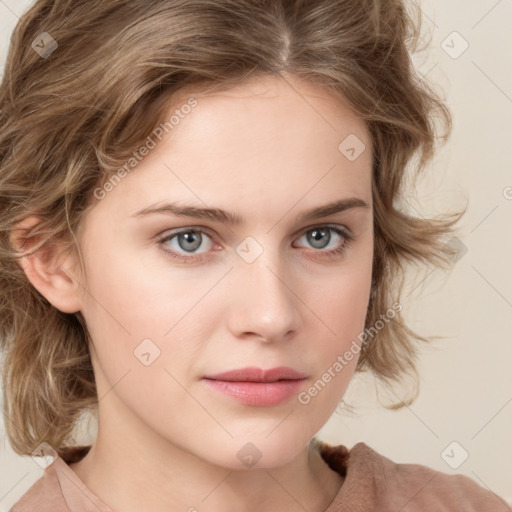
[72, 118]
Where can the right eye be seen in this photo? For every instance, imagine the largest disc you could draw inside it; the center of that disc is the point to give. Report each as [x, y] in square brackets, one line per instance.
[186, 240]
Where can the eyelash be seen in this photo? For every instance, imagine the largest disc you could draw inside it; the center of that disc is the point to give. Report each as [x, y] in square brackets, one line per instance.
[333, 253]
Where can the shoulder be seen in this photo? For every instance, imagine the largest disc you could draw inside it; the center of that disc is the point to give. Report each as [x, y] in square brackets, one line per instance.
[47, 493]
[421, 487]
[44, 495]
[415, 487]
[409, 487]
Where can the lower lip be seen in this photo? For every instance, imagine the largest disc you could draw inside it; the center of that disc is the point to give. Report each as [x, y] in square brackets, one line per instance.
[263, 394]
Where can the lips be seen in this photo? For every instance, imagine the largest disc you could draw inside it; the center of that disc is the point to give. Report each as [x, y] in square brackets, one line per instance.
[257, 387]
[255, 374]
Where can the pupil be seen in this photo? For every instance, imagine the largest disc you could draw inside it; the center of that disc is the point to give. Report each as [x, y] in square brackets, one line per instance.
[317, 234]
[189, 238]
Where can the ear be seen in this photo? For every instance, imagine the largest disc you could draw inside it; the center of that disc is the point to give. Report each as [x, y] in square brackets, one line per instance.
[48, 269]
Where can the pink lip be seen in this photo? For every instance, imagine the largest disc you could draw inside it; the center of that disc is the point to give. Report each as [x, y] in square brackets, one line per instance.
[254, 374]
[258, 387]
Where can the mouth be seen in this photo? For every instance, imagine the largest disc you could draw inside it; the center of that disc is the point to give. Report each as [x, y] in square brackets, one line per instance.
[257, 387]
[255, 374]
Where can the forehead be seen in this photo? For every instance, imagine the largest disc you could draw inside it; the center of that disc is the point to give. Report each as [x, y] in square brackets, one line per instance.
[267, 139]
[263, 104]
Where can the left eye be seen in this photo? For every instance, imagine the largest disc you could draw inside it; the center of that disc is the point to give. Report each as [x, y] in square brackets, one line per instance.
[191, 239]
[314, 236]
[188, 240]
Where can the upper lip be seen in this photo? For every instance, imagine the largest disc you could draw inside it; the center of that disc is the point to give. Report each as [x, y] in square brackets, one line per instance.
[254, 374]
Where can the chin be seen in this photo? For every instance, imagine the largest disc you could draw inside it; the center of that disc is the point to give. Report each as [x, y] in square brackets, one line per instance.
[256, 451]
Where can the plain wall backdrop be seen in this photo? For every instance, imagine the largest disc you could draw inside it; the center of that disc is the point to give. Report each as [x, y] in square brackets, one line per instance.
[461, 421]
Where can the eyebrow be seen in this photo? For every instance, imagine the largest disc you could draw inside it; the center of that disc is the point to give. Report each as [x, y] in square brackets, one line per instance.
[233, 219]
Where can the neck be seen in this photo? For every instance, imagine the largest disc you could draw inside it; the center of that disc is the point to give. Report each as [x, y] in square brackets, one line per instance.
[132, 477]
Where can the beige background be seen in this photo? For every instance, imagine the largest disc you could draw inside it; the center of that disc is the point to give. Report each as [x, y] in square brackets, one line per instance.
[466, 384]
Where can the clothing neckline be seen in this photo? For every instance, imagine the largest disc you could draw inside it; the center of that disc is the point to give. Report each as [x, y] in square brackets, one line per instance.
[336, 457]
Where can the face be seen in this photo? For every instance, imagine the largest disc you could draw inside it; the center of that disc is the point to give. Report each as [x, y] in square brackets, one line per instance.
[173, 298]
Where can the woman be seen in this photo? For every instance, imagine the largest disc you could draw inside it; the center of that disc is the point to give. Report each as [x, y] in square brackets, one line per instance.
[249, 131]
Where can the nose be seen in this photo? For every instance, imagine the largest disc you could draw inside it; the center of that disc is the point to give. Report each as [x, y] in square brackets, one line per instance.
[263, 302]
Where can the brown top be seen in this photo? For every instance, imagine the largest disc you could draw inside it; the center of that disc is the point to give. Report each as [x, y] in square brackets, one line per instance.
[372, 482]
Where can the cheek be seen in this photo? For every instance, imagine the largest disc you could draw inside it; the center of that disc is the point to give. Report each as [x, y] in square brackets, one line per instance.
[136, 292]
[341, 305]
[144, 329]
[138, 312]
[342, 300]
[344, 305]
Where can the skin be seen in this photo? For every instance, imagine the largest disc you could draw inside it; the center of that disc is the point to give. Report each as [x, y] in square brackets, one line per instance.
[267, 150]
